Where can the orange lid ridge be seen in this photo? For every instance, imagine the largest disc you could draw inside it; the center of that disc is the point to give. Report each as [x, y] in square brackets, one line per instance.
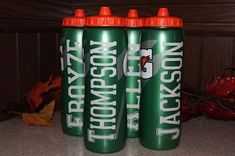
[163, 19]
[133, 20]
[105, 18]
[78, 20]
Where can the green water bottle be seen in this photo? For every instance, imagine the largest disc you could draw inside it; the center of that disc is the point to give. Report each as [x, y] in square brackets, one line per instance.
[161, 63]
[133, 80]
[73, 74]
[105, 45]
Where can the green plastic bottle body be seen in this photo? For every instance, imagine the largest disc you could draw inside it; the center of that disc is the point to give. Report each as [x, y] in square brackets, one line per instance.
[133, 81]
[73, 80]
[161, 62]
[105, 112]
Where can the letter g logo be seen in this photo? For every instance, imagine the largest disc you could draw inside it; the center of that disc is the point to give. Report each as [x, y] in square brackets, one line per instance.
[146, 66]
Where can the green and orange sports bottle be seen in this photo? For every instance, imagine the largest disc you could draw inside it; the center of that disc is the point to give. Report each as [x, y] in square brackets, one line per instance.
[161, 63]
[73, 74]
[133, 81]
[105, 45]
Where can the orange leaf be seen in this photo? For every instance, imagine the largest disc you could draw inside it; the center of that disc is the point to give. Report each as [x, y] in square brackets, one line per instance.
[35, 120]
[35, 95]
[56, 81]
[43, 118]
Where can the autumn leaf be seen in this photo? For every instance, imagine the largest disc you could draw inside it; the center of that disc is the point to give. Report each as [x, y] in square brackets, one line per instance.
[221, 86]
[43, 118]
[37, 94]
[56, 82]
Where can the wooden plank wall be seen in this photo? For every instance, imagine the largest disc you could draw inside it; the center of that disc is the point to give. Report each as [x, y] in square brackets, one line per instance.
[26, 58]
[29, 38]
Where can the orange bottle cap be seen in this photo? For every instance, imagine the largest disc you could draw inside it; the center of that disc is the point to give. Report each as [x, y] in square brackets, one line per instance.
[77, 21]
[105, 18]
[133, 19]
[163, 19]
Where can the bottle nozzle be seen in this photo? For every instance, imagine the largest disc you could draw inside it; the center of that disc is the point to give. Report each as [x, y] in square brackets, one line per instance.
[132, 13]
[105, 11]
[79, 13]
[163, 12]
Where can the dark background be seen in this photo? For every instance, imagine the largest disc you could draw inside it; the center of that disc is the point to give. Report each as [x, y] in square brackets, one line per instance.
[29, 37]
